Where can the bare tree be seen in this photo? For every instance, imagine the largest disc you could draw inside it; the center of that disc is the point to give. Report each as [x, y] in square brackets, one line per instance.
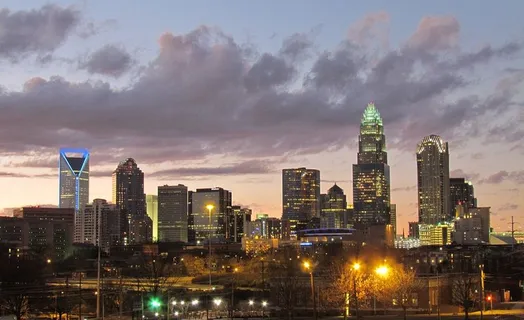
[463, 291]
[285, 279]
[399, 285]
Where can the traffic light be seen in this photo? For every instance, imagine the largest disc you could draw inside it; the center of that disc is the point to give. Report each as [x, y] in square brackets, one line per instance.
[489, 298]
[155, 303]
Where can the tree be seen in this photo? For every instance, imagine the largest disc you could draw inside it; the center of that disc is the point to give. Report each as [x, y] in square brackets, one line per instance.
[463, 291]
[193, 266]
[18, 277]
[285, 279]
[398, 285]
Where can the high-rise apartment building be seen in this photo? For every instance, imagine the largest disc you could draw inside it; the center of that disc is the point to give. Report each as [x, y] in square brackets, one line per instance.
[152, 213]
[300, 196]
[371, 178]
[461, 193]
[73, 179]
[172, 213]
[210, 213]
[433, 180]
[333, 208]
[129, 196]
[238, 224]
[100, 223]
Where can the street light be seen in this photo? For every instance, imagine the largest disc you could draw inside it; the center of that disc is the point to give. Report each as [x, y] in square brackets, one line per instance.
[383, 272]
[356, 268]
[309, 269]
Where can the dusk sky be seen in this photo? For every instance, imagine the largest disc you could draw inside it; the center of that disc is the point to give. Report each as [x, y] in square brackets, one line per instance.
[228, 93]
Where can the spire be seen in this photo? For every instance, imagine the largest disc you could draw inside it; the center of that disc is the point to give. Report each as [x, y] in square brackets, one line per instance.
[371, 116]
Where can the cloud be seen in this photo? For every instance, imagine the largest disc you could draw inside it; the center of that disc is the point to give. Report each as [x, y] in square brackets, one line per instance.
[501, 176]
[92, 28]
[373, 26]
[205, 95]
[23, 175]
[436, 33]
[508, 207]
[459, 173]
[252, 167]
[37, 31]
[110, 60]
[406, 189]
[477, 156]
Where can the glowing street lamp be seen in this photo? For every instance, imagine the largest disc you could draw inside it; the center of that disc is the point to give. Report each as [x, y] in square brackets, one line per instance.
[307, 265]
[356, 266]
[194, 302]
[217, 302]
[382, 271]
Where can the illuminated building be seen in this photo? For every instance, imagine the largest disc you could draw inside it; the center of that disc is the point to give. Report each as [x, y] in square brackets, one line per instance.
[152, 212]
[172, 213]
[73, 178]
[433, 180]
[219, 201]
[461, 193]
[473, 227]
[300, 196]
[436, 234]
[129, 196]
[371, 182]
[393, 218]
[239, 223]
[333, 208]
[100, 223]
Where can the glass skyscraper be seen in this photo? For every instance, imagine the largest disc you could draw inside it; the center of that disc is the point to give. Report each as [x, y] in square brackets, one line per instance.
[433, 180]
[73, 178]
[371, 179]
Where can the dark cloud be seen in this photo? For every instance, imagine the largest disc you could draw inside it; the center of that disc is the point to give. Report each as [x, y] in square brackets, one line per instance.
[501, 176]
[37, 31]
[23, 175]
[459, 173]
[251, 167]
[205, 94]
[110, 60]
[401, 189]
[508, 207]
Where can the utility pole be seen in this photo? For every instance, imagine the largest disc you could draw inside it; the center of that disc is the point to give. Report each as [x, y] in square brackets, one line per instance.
[80, 297]
[121, 298]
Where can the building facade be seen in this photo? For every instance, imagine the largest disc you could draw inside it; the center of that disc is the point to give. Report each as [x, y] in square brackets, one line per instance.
[172, 213]
[73, 179]
[211, 211]
[300, 196]
[239, 223]
[333, 208]
[129, 196]
[371, 177]
[100, 223]
[40, 229]
[461, 193]
[152, 213]
[433, 180]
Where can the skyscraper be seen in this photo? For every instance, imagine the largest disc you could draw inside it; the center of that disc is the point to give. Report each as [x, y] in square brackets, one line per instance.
[172, 213]
[219, 201]
[238, 224]
[152, 213]
[433, 180]
[371, 181]
[128, 194]
[461, 193]
[73, 178]
[334, 208]
[300, 196]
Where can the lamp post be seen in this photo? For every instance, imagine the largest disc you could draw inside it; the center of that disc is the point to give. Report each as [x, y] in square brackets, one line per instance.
[356, 268]
[383, 272]
[209, 208]
[309, 268]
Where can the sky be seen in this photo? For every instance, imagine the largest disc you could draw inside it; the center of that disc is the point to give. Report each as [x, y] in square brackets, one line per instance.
[228, 93]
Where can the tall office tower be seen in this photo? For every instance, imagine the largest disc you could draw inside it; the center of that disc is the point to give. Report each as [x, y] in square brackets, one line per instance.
[238, 224]
[100, 223]
[191, 238]
[333, 208]
[461, 193]
[210, 204]
[152, 213]
[371, 182]
[128, 194]
[393, 218]
[300, 196]
[172, 213]
[433, 180]
[73, 178]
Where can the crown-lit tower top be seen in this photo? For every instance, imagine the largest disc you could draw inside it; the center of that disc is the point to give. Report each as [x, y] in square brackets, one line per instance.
[372, 141]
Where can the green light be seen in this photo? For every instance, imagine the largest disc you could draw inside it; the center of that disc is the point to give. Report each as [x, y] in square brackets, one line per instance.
[371, 116]
[155, 303]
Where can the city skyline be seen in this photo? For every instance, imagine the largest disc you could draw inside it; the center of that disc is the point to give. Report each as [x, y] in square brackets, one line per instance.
[261, 96]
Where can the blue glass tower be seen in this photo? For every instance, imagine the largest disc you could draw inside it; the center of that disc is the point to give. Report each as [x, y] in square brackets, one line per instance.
[73, 179]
